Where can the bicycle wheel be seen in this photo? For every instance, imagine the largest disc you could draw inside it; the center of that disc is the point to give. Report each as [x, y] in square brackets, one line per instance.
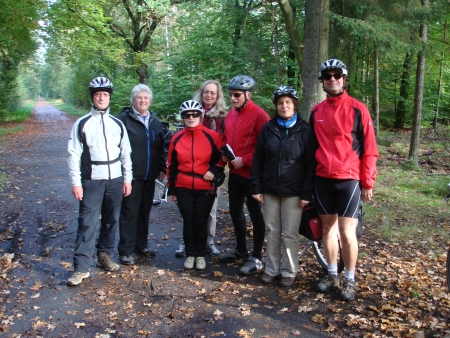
[448, 269]
[320, 255]
[160, 194]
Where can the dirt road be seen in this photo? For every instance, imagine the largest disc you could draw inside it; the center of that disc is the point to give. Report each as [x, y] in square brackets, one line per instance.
[154, 298]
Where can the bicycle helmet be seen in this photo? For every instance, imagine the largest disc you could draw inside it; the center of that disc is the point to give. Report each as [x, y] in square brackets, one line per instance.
[100, 84]
[333, 64]
[190, 105]
[284, 91]
[242, 82]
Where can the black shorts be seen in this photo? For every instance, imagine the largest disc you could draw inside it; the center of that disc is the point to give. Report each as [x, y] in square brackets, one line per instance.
[337, 197]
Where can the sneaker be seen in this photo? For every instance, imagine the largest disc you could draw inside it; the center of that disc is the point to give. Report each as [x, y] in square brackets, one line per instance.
[252, 266]
[126, 260]
[77, 278]
[212, 250]
[200, 263]
[145, 251]
[287, 281]
[265, 278]
[105, 261]
[348, 291]
[327, 283]
[181, 252]
[189, 263]
[232, 256]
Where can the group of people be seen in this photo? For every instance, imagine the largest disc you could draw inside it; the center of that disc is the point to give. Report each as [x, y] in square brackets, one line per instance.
[276, 167]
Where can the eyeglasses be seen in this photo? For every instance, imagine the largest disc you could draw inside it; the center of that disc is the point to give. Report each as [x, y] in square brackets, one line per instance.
[327, 77]
[194, 115]
[235, 95]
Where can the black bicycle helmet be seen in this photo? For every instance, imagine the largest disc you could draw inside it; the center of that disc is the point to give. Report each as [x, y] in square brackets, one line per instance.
[100, 84]
[242, 82]
[190, 105]
[333, 64]
[284, 91]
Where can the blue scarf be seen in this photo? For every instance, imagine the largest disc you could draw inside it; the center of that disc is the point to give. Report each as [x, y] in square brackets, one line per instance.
[287, 123]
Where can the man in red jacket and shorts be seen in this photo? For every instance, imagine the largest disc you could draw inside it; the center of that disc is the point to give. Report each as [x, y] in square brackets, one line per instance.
[345, 172]
[242, 127]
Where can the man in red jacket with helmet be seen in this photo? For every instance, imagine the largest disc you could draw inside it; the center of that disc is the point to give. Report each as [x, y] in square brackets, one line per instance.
[345, 172]
[242, 127]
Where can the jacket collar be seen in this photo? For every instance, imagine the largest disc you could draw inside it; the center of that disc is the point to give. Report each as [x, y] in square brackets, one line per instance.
[96, 112]
[336, 100]
[247, 109]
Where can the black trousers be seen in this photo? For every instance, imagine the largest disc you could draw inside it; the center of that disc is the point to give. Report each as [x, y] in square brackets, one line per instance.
[239, 193]
[135, 217]
[195, 206]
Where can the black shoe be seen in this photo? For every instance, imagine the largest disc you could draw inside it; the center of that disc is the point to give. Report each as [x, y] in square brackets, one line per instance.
[145, 251]
[327, 283]
[348, 291]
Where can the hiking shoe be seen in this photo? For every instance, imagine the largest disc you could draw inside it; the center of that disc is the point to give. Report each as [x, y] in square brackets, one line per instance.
[327, 283]
[265, 278]
[145, 251]
[287, 281]
[181, 252]
[232, 256]
[348, 291]
[189, 263]
[77, 278]
[126, 260]
[252, 266]
[212, 250]
[105, 261]
[200, 263]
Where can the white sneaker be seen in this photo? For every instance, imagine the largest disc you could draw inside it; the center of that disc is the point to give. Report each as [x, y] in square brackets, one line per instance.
[181, 252]
[200, 263]
[212, 250]
[189, 263]
[77, 278]
[253, 265]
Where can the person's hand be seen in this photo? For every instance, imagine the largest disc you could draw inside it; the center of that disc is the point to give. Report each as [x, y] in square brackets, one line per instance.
[77, 192]
[225, 159]
[208, 176]
[173, 198]
[259, 198]
[366, 194]
[162, 175]
[302, 203]
[237, 163]
[126, 189]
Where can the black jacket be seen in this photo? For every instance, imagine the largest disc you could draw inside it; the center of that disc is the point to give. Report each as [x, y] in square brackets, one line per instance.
[284, 166]
[148, 156]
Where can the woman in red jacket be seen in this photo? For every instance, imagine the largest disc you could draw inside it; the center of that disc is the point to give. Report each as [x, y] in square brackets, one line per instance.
[192, 171]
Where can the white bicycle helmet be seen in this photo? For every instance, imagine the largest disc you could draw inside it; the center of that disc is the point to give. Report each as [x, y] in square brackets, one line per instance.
[100, 84]
[284, 91]
[190, 105]
[333, 64]
[242, 82]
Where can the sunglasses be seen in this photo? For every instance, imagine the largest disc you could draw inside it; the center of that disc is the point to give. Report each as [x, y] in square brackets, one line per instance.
[194, 115]
[327, 77]
[235, 95]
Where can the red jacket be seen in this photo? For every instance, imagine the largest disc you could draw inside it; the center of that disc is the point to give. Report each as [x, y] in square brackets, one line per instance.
[192, 152]
[241, 132]
[347, 146]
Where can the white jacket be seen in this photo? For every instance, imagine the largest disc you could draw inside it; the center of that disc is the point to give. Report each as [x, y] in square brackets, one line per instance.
[98, 149]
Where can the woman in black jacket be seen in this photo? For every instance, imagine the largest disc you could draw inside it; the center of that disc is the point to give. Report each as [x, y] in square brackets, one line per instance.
[282, 179]
[149, 162]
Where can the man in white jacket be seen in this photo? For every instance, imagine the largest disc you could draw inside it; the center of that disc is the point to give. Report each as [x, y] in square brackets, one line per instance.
[100, 171]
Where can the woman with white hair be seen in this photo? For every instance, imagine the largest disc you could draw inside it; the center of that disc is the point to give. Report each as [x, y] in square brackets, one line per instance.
[149, 162]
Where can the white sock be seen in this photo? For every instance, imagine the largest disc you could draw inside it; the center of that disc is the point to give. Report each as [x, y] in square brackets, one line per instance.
[350, 274]
[333, 269]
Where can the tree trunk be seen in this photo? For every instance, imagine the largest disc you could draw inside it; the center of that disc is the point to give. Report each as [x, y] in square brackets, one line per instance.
[376, 92]
[317, 27]
[400, 113]
[436, 115]
[418, 96]
[142, 72]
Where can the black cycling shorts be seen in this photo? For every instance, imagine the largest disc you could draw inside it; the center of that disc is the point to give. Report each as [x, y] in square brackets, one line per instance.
[339, 197]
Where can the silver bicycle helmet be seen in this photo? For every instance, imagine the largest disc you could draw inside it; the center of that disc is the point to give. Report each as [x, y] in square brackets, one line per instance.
[190, 105]
[333, 64]
[242, 82]
[284, 91]
[100, 84]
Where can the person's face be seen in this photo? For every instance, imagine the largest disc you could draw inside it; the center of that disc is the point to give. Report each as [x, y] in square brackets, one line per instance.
[142, 102]
[285, 107]
[333, 86]
[209, 95]
[238, 97]
[101, 100]
[191, 119]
